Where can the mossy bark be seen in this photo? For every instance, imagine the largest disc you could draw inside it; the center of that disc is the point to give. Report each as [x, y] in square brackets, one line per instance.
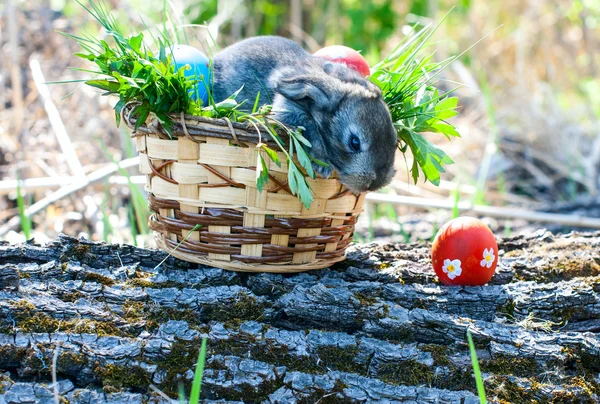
[376, 327]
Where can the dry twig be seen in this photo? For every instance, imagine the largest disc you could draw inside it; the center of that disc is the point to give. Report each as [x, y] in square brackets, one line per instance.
[55, 120]
[68, 190]
[491, 211]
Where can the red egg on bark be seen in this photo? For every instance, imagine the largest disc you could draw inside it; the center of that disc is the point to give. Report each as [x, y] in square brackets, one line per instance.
[346, 55]
[464, 252]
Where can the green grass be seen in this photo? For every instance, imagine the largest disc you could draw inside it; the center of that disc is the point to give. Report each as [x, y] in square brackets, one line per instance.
[138, 212]
[197, 383]
[26, 224]
[195, 228]
[476, 370]
[456, 199]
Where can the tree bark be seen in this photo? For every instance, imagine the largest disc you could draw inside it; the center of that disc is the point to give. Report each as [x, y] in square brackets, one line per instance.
[375, 328]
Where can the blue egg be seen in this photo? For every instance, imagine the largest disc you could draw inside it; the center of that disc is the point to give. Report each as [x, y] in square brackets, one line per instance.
[199, 69]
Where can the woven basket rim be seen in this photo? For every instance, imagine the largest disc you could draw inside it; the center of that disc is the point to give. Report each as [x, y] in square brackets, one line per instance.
[186, 125]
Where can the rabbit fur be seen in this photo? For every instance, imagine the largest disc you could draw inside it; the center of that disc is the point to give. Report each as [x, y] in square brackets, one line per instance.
[338, 108]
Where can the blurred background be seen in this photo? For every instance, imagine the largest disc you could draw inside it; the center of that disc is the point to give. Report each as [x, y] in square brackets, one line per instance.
[529, 111]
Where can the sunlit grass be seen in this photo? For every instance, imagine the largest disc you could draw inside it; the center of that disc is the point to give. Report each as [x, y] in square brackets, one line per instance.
[138, 209]
[476, 370]
[26, 224]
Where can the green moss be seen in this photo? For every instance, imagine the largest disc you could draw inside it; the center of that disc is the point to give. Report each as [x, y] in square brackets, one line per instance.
[181, 358]
[268, 353]
[384, 312]
[12, 356]
[404, 334]
[95, 277]
[570, 313]
[71, 297]
[510, 365]
[78, 251]
[409, 372]
[28, 320]
[588, 388]
[232, 315]
[502, 389]
[245, 307]
[364, 299]
[508, 308]
[41, 322]
[581, 361]
[438, 353]
[160, 315]
[30, 361]
[140, 282]
[4, 380]
[115, 378]
[459, 378]
[133, 310]
[343, 359]
[70, 363]
[24, 275]
[418, 304]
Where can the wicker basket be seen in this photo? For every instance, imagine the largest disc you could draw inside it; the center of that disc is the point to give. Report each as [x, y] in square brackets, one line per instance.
[206, 175]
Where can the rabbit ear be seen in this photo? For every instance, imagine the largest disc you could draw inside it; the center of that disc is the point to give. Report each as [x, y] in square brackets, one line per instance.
[347, 75]
[318, 90]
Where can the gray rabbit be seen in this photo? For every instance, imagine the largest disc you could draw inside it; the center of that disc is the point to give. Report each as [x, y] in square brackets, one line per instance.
[345, 117]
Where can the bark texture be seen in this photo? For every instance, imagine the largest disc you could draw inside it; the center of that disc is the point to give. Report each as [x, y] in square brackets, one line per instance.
[375, 328]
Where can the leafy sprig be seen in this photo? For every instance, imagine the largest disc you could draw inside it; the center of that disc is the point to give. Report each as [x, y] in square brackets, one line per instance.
[406, 78]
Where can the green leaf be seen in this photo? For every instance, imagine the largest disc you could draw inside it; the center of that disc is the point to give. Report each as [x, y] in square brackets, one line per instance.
[136, 42]
[255, 107]
[292, 182]
[118, 110]
[272, 154]
[143, 111]
[446, 108]
[427, 157]
[87, 56]
[298, 136]
[262, 172]
[106, 85]
[304, 192]
[304, 159]
[444, 128]
[318, 162]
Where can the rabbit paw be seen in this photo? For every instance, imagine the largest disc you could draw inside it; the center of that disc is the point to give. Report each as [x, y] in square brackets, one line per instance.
[324, 172]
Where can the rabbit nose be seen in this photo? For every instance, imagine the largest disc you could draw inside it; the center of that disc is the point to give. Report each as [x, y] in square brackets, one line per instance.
[370, 181]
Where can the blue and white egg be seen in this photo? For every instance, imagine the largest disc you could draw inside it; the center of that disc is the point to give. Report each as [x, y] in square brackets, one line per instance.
[199, 69]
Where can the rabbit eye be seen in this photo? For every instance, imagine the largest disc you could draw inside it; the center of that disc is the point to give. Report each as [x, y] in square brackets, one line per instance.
[355, 143]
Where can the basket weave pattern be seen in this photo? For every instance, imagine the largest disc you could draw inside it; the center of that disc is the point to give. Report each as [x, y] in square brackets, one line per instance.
[205, 175]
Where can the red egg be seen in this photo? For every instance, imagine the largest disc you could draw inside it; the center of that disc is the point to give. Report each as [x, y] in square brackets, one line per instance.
[346, 55]
[464, 252]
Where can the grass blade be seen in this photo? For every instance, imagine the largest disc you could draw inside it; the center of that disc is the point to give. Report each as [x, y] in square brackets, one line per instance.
[25, 220]
[197, 383]
[476, 371]
[196, 227]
